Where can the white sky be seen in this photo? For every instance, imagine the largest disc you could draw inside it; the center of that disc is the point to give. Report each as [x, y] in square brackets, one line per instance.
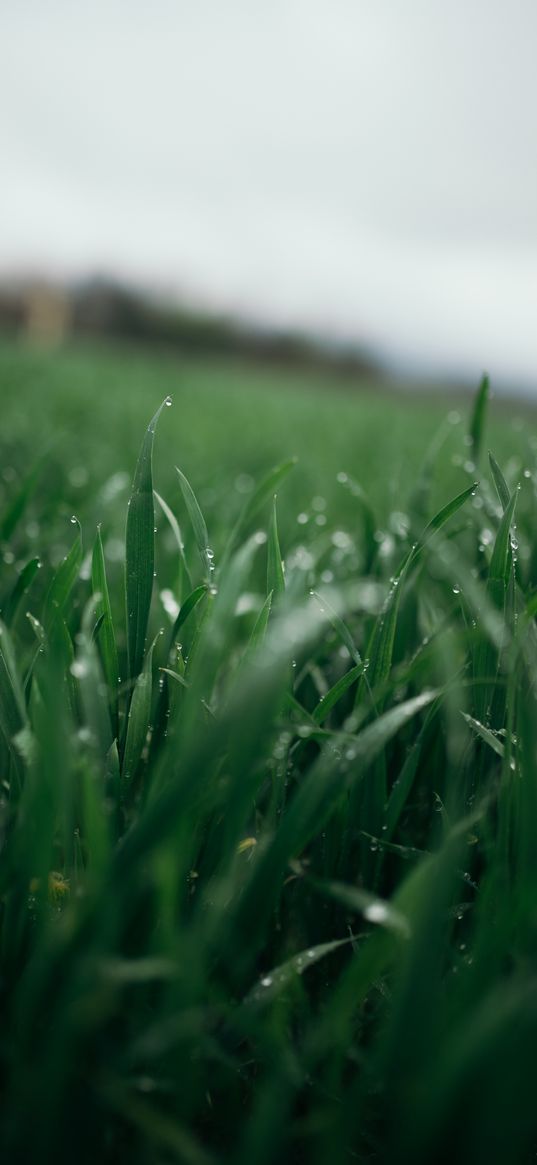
[367, 167]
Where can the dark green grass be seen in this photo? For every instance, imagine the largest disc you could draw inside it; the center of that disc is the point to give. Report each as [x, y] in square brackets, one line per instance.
[268, 870]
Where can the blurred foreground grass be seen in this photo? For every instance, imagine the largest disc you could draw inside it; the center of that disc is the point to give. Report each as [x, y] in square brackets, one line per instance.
[268, 874]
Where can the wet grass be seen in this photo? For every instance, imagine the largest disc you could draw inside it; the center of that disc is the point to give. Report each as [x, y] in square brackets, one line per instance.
[267, 866]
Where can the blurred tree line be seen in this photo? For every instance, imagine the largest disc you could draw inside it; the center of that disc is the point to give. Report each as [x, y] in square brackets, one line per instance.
[47, 313]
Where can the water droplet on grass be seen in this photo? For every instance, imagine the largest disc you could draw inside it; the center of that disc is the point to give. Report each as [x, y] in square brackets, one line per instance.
[376, 912]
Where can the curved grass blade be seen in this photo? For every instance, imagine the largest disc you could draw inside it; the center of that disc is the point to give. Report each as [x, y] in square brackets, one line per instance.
[264, 490]
[140, 551]
[22, 586]
[174, 525]
[477, 420]
[187, 607]
[368, 516]
[502, 488]
[373, 908]
[443, 515]
[13, 716]
[86, 669]
[62, 585]
[501, 561]
[324, 707]
[20, 501]
[139, 718]
[260, 626]
[106, 635]
[485, 734]
[487, 656]
[276, 980]
[198, 525]
[340, 627]
[380, 652]
[275, 575]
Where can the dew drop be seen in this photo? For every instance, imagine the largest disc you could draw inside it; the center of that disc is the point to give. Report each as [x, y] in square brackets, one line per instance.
[376, 912]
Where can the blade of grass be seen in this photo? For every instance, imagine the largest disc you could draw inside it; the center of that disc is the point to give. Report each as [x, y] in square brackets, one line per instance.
[198, 525]
[106, 636]
[140, 551]
[275, 575]
[477, 420]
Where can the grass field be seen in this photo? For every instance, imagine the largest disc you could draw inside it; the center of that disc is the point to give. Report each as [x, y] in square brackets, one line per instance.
[268, 864]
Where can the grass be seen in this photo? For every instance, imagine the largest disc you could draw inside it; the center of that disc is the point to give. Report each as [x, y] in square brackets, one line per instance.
[267, 871]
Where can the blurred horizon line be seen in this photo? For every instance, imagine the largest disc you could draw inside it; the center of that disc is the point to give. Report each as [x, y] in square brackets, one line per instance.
[50, 306]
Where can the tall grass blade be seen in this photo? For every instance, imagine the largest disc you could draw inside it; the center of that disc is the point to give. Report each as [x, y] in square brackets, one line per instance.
[140, 551]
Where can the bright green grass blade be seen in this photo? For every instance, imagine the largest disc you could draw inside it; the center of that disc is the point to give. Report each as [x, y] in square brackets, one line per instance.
[12, 706]
[272, 982]
[18, 506]
[275, 575]
[485, 734]
[140, 551]
[368, 516]
[380, 651]
[381, 644]
[444, 514]
[324, 707]
[343, 763]
[86, 669]
[315, 798]
[403, 784]
[21, 588]
[477, 420]
[174, 526]
[266, 489]
[501, 561]
[175, 676]
[188, 607]
[487, 657]
[106, 635]
[260, 626]
[374, 909]
[198, 525]
[62, 585]
[502, 488]
[138, 719]
[340, 627]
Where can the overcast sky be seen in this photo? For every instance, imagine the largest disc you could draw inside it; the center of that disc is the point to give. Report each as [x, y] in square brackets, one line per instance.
[366, 167]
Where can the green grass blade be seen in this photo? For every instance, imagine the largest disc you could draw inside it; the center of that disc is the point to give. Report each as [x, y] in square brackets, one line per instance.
[502, 488]
[140, 551]
[445, 513]
[501, 561]
[477, 420]
[62, 585]
[266, 489]
[329, 701]
[275, 575]
[485, 734]
[187, 607]
[276, 980]
[260, 626]
[21, 588]
[174, 526]
[12, 705]
[138, 722]
[18, 506]
[374, 909]
[106, 635]
[198, 525]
